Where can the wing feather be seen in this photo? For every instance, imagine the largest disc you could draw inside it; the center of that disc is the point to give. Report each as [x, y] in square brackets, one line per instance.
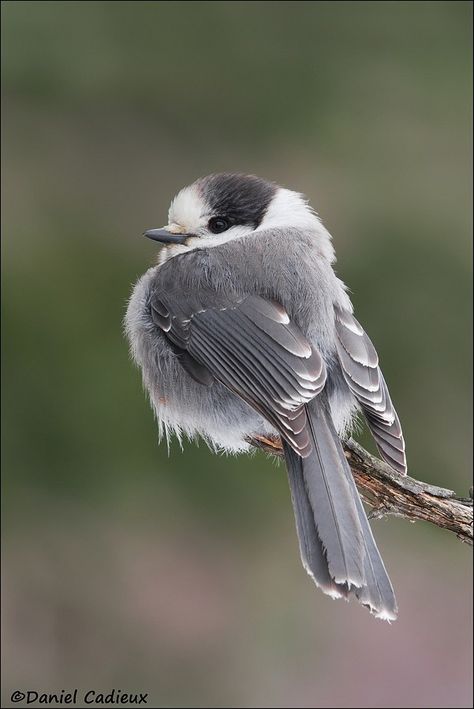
[359, 362]
[251, 346]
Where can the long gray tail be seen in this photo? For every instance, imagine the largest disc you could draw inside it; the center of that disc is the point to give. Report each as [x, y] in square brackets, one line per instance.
[336, 543]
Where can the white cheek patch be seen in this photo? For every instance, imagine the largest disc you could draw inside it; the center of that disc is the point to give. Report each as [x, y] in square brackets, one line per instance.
[207, 240]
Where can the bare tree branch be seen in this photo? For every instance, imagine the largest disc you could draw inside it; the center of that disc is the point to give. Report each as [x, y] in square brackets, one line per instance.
[387, 492]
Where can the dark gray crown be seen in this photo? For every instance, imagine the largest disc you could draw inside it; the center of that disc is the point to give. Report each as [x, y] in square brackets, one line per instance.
[243, 199]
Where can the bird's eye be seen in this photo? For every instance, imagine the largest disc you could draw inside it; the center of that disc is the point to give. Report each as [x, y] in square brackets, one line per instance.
[218, 224]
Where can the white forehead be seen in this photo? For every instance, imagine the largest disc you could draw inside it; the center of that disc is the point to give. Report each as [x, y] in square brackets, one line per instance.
[188, 208]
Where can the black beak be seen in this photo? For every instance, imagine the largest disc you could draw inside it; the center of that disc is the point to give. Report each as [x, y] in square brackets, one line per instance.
[166, 237]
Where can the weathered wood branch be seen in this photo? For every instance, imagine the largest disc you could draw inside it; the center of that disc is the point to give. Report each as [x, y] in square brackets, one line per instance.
[389, 493]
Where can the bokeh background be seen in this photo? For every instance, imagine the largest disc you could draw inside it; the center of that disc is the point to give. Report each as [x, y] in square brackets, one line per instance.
[180, 575]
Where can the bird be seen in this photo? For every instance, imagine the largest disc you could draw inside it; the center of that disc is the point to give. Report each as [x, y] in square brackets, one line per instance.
[242, 329]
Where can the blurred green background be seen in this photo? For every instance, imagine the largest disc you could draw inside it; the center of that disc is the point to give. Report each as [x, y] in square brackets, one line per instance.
[180, 575]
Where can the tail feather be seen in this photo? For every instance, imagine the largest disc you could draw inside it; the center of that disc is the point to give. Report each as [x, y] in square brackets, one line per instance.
[377, 593]
[336, 542]
[311, 549]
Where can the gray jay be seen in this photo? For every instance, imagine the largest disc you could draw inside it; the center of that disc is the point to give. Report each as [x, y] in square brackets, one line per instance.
[243, 329]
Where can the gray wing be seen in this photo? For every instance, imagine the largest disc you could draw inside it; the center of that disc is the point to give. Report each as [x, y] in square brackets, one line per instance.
[359, 362]
[250, 345]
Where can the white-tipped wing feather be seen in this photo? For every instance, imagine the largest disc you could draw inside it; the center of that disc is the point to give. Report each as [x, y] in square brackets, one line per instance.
[359, 362]
[250, 345]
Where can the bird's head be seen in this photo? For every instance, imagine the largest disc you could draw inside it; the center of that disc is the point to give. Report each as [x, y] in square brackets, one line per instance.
[227, 206]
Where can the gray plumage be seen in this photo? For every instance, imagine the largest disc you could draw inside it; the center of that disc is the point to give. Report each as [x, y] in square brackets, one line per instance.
[359, 362]
[243, 328]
